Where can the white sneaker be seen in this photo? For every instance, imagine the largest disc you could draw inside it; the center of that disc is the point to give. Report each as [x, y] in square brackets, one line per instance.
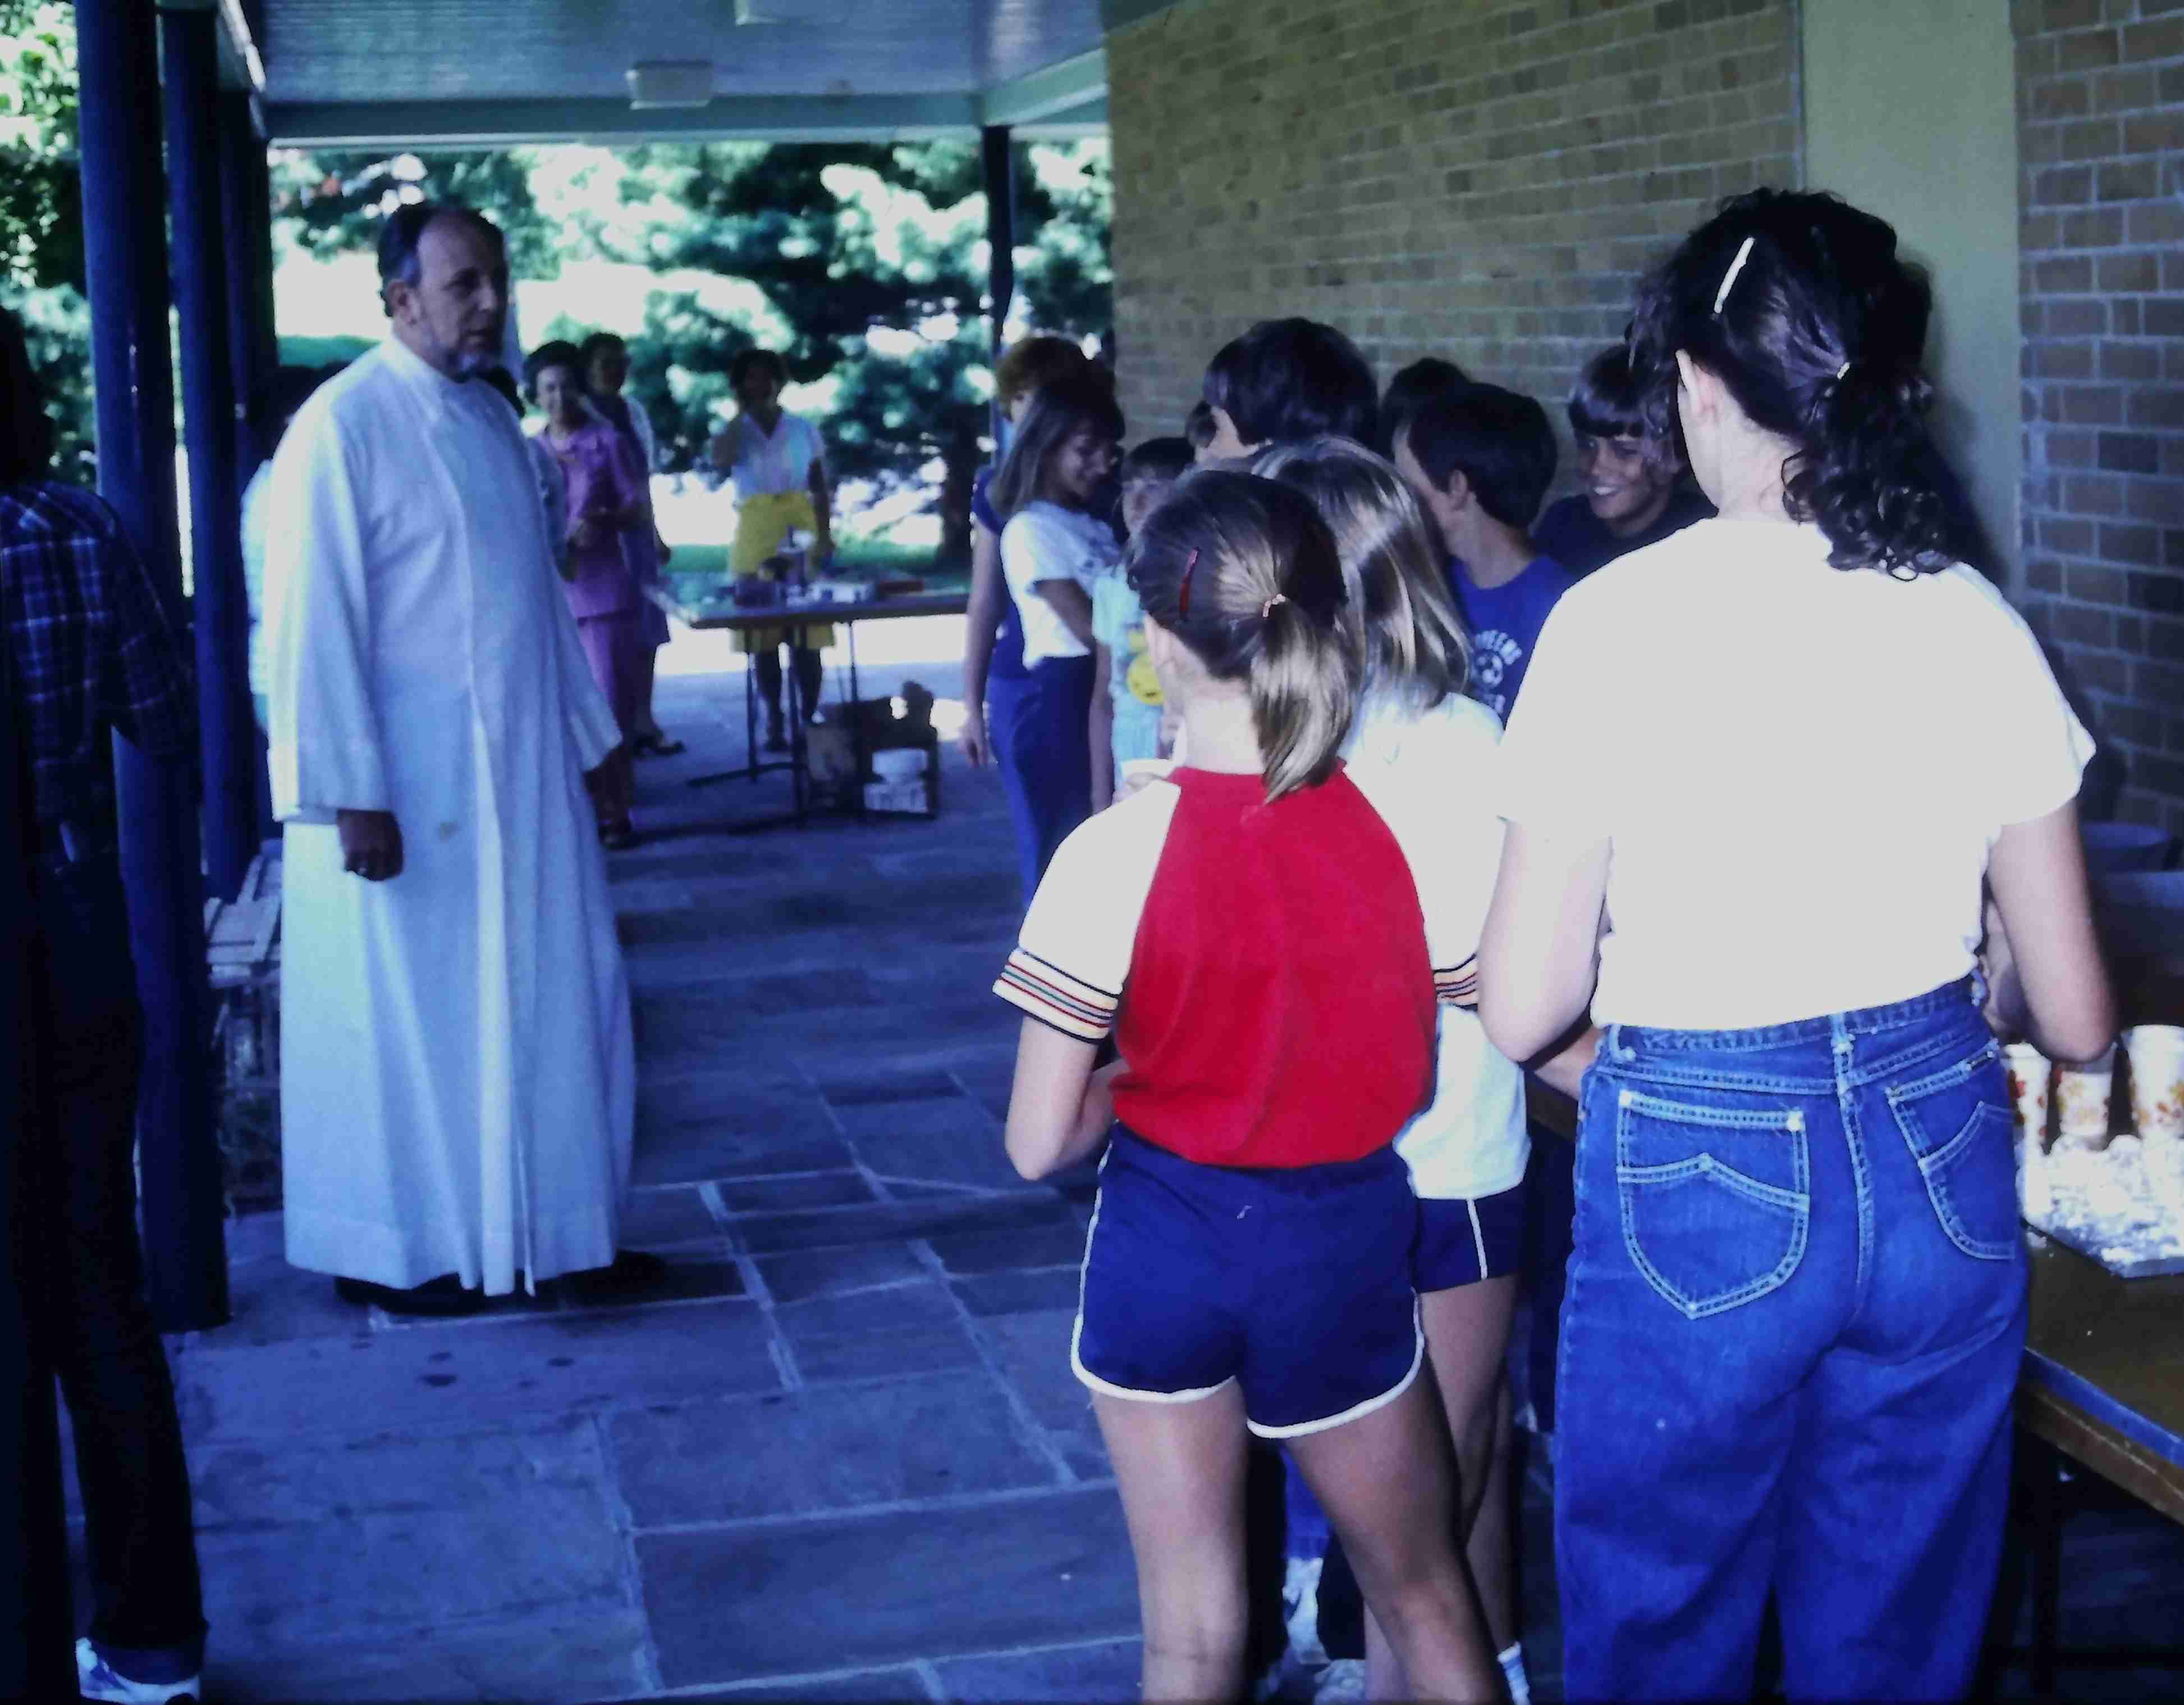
[1300, 1609]
[95, 1680]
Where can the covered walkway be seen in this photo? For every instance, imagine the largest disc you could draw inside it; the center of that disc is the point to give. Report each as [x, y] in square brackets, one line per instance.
[845, 1458]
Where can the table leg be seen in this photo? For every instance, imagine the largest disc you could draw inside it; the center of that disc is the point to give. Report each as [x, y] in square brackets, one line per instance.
[750, 713]
[856, 716]
[799, 777]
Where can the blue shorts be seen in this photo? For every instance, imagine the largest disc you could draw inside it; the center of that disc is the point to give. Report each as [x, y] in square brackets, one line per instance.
[1462, 1240]
[1294, 1282]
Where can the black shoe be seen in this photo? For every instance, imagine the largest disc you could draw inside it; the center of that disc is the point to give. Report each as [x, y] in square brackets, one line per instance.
[630, 1276]
[776, 741]
[444, 1297]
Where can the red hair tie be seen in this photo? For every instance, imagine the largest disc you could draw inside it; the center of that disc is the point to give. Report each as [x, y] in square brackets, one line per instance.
[1182, 588]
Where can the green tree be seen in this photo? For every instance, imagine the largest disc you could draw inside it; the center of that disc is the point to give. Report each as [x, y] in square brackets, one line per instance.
[335, 202]
[873, 257]
[42, 212]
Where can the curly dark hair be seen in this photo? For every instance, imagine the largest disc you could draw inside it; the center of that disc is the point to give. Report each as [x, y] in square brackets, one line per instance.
[560, 352]
[749, 360]
[1800, 305]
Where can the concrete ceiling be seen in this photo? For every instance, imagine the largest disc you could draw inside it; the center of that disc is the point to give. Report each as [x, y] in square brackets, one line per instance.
[505, 70]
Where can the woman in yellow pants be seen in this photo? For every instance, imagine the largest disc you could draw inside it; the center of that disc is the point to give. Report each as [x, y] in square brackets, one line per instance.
[779, 468]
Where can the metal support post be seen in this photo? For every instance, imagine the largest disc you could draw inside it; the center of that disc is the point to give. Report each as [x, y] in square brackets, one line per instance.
[997, 151]
[219, 611]
[126, 258]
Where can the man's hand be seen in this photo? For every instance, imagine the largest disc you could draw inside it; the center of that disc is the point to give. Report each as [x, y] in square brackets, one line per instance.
[370, 843]
[978, 745]
[610, 785]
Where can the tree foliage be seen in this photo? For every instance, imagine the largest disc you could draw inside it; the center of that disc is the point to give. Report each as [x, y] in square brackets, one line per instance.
[336, 202]
[874, 257]
[41, 212]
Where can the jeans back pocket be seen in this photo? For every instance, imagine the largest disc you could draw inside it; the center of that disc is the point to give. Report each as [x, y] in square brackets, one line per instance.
[1716, 1201]
[1958, 1123]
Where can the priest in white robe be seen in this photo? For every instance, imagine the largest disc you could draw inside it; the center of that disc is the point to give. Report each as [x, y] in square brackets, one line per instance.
[457, 1082]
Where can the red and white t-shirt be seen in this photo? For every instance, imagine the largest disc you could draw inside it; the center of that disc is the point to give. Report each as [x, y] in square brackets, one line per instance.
[1264, 968]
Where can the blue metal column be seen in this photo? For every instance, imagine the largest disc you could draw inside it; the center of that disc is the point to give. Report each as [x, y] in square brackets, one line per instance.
[125, 259]
[246, 223]
[246, 220]
[997, 153]
[219, 613]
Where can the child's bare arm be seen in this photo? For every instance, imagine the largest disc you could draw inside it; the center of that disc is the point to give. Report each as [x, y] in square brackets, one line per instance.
[1059, 1108]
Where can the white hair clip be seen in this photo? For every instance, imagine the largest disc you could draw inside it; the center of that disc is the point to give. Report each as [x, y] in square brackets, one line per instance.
[1842, 372]
[1729, 278]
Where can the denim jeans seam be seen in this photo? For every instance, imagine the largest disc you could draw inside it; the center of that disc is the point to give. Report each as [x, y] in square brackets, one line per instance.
[1945, 1046]
[1744, 1081]
[1845, 1046]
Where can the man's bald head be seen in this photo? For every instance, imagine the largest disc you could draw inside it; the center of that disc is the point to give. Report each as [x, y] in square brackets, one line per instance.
[443, 277]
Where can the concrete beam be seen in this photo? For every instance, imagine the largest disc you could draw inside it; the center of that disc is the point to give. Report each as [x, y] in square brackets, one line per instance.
[1048, 92]
[497, 123]
[1115, 14]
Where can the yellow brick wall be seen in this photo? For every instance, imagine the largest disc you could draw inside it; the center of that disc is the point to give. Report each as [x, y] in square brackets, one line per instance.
[1475, 179]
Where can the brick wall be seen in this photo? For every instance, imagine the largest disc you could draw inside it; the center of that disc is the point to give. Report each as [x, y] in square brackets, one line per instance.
[1477, 178]
[2101, 155]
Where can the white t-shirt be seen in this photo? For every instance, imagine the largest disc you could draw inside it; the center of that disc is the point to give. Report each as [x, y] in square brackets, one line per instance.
[1043, 541]
[1801, 771]
[1430, 777]
[770, 463]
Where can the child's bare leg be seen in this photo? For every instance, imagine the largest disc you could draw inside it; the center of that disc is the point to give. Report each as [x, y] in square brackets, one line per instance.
[1386, 1483]
[1467, 1337]
[1180, 1468]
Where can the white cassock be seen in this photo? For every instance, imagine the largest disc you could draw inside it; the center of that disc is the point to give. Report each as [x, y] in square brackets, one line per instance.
[458, 1084]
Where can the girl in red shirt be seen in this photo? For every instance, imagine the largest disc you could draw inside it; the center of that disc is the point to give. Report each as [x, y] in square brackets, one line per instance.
[1249, 932]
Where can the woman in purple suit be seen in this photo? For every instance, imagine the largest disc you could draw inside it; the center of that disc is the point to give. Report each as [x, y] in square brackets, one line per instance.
[606, 497]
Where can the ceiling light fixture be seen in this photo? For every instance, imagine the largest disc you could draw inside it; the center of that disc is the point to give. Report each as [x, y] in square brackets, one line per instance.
[670, 83]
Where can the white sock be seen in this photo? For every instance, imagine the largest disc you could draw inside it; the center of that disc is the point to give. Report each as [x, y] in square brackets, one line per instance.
[1513, 1671]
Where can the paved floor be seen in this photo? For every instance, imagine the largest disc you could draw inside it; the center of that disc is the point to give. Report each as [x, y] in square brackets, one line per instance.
[846, 1460]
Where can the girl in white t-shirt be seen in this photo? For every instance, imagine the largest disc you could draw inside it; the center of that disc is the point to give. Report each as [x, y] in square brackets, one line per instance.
[1054, 548]
[1781, 750]
[1423, 753]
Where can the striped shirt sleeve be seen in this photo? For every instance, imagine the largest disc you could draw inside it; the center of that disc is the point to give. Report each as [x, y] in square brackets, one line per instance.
[1073, 957]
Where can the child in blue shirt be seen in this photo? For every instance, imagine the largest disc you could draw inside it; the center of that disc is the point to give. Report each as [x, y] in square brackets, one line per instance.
[1480, 460]
[1127, 707]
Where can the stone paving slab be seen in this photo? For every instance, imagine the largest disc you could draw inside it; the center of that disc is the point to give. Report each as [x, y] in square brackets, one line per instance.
[541, 1657]
[809, 1453]
[445, 1377]
[931, 1582]
[364, 1540]
[1068, 1674]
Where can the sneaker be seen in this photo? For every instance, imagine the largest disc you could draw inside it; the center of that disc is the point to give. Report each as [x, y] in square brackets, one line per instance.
[1300, 1609]
[95, 1679]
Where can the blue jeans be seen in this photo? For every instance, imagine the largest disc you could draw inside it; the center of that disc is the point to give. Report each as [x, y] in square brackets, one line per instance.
[1040, 723]
[1789, 1347]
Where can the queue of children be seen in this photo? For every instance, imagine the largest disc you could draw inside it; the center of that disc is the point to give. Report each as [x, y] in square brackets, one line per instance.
[1726, 891]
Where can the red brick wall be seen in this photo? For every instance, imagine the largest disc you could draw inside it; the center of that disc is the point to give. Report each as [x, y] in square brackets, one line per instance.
[2101, 130]
[1477, 178]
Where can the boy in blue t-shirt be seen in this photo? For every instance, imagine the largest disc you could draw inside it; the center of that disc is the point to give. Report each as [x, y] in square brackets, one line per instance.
[1480, 460]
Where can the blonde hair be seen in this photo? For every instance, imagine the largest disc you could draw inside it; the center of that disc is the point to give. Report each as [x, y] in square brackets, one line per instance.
[1245, 574]
[1400, 614]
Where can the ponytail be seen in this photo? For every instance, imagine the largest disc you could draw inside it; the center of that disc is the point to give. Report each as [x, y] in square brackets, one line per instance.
[1243, 572]
[1800, 305]
[1304, 686]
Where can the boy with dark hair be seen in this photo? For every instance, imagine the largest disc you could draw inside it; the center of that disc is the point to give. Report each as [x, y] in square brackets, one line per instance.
[1285, 381]
[1635, 493]
[1479, 460]
[1410, 389]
